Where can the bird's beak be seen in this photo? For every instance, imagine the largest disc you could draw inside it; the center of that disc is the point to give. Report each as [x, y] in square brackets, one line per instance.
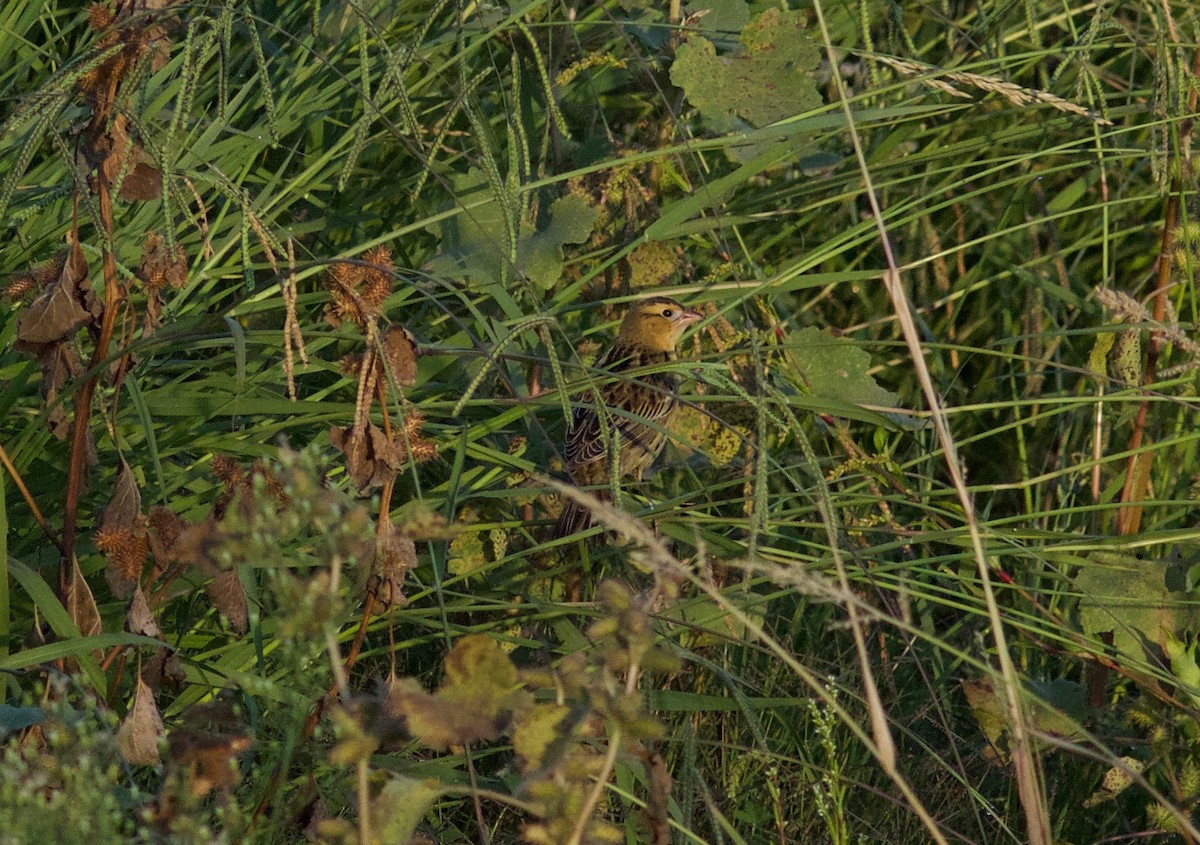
[686, 318]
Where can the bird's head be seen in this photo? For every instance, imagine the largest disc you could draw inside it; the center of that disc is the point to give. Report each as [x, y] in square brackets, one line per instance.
[656, 323]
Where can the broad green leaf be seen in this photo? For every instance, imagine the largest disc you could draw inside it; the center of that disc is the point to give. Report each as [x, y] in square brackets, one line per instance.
[834, 371]
[720, 20]
[474, 244]
[540, 255]
[768, 80]
[1132, 600]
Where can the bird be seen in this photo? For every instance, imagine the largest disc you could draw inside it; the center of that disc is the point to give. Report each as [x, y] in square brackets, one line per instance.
[633, 409]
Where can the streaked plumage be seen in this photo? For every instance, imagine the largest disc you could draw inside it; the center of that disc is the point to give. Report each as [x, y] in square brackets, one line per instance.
[636, 407]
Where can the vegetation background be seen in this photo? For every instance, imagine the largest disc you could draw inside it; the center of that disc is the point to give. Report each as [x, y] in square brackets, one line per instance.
[302, 293]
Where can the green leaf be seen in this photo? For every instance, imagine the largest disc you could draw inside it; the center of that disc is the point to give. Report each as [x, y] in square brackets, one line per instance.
[1131, 599]
[1184, 666]
[474, 243]
[720, 20]
[835, 373]
[767, 81]
[540, 255]
[76, 648]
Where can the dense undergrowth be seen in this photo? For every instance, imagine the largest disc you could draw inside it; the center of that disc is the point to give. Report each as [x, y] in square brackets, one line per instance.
[302, 295]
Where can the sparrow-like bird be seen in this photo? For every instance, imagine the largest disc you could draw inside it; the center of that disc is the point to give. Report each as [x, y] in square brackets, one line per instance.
[632, 410]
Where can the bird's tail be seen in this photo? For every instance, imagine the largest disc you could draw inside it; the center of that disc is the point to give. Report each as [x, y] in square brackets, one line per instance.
[575, 517]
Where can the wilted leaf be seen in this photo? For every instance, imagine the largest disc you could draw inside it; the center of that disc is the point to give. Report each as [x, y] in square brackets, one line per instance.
[139, 619]
[80, 604]
[658, 799]
[476, 702]
[163, 669]
[141, 729]
[227, 595]
[60, 311]
[125, 506]
[371, 459]
[395, 555]
[400, 355]
[59, 363]
[143, 181]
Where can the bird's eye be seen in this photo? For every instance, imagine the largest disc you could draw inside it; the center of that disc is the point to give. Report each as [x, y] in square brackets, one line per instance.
[668, 313]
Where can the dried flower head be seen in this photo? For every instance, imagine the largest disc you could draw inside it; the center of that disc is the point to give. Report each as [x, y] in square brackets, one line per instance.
[358, 290]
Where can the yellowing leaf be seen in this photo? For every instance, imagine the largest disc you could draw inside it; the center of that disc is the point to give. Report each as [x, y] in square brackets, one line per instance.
[399, 807]
[476, 702]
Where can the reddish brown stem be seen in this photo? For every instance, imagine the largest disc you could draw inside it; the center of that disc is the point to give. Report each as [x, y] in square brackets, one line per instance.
[83, 399]
[1137, 474]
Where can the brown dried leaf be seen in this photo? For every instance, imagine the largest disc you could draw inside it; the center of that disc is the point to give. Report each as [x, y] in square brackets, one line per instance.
[371, 459]
[81, 604]
[143, 181]
[59, 364]
[227, 595]
[207, 760]
[657, 811]
[394, 557]
[163, 669]
[138, 617]
[63, 308]
[124, 509]
[141, 729]
[400, 355]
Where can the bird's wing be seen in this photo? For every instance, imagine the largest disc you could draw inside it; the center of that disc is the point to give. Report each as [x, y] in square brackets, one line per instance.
[637, 407]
